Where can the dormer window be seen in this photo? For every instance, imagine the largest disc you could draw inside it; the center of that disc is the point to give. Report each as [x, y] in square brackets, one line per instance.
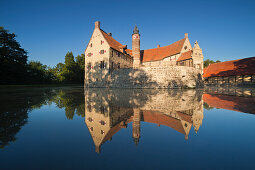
[90, 54]
[102, 132]
[185, 48]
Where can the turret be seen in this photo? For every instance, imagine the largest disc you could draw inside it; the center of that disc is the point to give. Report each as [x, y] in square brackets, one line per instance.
[136, 48]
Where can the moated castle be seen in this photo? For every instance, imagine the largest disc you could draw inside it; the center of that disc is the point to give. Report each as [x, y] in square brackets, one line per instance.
[108, 63]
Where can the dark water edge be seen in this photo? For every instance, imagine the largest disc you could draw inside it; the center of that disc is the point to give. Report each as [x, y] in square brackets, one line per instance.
[69, 128]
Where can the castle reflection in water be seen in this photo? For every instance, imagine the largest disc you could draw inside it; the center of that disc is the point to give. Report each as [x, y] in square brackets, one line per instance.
[107, 111]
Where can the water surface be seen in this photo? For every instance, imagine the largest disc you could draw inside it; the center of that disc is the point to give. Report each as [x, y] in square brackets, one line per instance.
[69, 128]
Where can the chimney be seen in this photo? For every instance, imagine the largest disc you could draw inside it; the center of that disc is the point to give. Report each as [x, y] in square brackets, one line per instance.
[186, 35]
[110, 33]
[97, 24]
[158, 46]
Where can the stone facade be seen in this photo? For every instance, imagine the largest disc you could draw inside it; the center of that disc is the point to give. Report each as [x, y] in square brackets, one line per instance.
[150, 77]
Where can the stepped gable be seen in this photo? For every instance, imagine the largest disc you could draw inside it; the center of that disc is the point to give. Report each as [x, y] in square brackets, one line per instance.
[240, 67]
[185, 56]
[160, 53]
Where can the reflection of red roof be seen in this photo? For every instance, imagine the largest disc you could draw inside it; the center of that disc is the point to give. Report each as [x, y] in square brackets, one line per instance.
[184, 117]
[236, 103]
[162, 119]
[160, 53]
[111, 132]
[185, 56]
[244, 66]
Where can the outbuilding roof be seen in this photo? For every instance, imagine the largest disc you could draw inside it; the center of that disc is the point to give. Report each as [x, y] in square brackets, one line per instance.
[244, 66]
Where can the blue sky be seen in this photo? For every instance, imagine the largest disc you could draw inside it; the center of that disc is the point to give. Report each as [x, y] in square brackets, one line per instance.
[49, 29]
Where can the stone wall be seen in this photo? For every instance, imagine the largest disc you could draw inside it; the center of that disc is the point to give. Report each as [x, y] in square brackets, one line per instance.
[150, 77]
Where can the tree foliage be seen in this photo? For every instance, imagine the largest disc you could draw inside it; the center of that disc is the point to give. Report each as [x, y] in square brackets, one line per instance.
[13, 59]
[15, 68]
[208, 62]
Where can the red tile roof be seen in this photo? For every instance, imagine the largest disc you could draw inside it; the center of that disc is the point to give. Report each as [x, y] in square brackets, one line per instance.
[185, 56]
[244, 66]
[154, 54]
[236, 103]
[112, 42]
[160, 53]
[129, 51]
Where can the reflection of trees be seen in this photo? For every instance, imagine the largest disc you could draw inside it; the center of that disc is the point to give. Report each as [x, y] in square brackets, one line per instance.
[72, 101]
[17, 103]
[207, 107]
[15, 106]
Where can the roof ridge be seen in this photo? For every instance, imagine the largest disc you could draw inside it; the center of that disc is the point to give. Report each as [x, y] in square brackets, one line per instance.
[232, 60]
[166, 45]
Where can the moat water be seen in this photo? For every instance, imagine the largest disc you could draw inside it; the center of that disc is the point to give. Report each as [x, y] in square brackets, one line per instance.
[73, 128]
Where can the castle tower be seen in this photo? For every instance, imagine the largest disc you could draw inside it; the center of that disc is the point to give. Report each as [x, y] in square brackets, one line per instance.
[198, 58]
[136, 126]
[136, 48]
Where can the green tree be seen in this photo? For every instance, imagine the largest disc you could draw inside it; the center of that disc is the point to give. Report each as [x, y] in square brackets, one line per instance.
[69, 68]
[58, 72]
[80, 64]
[13, 59]
[208, 62]
[39, 73]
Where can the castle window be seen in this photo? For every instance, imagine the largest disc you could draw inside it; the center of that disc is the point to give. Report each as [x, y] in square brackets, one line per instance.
[118, 54]
[112, 65]
[89, 108]
[101, 52]
[118, 65]
[185, 48]
[102, 64]
[90, 119]
[102, 132]
[91, 128]
[90, 54]
[89, 66]
[91, 45]
[102, 42]
[102, 109]
[102, 122]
